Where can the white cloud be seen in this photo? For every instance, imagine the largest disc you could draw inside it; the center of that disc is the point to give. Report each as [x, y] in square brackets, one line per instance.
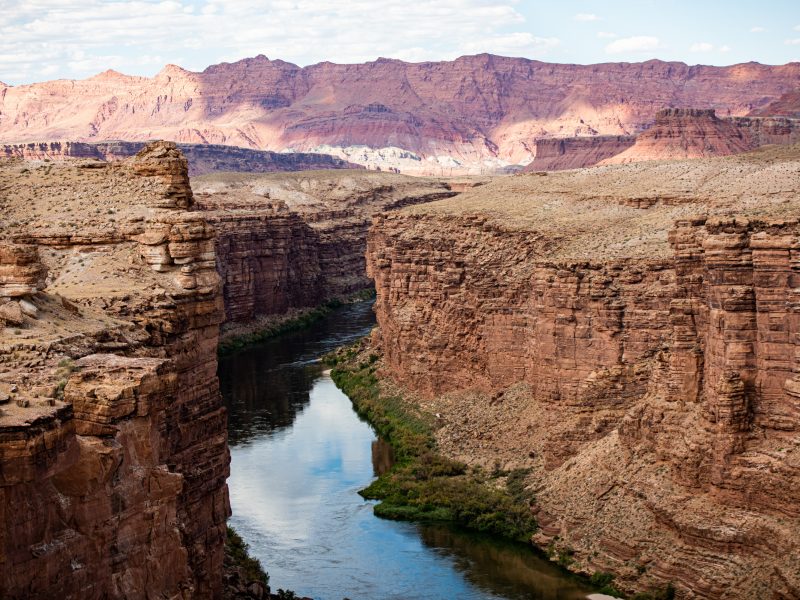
[514, 44]
[725, 48]
[757, 29]
[701, 47]
[797, 27]
[606, 35]
[794, 42]
[586, 17]
[77, 38]
[635, 44]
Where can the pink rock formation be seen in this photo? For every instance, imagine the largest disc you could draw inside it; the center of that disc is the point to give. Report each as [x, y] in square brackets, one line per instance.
[471, 109]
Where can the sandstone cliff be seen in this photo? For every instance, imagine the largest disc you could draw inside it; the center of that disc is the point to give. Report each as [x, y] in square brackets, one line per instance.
[475, 113]
[558, 154]
[296, 241]
[113, 452]
[788, 105]
[203, 158]
[629, 333]
[698, 133]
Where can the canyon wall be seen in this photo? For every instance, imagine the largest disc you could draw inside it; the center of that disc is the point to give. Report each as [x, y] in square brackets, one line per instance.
[698, 133]
[676, 133]
[629, 333]
[557, 154]
[474, 114]
[113, 448]
[288, 241]
[203, 158]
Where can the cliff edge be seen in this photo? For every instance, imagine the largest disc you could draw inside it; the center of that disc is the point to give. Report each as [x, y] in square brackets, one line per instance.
[113, 446]
[629, 333]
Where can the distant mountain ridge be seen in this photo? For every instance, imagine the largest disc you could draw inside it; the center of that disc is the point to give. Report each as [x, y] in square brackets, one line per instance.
[203, 158]
[476, 112]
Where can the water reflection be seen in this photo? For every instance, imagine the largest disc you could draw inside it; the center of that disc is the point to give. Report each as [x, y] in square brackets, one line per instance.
[509, 569]
[266, 386]
[299, 456]
[382, 457]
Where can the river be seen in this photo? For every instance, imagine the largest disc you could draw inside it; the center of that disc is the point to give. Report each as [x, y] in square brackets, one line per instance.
[299, 455]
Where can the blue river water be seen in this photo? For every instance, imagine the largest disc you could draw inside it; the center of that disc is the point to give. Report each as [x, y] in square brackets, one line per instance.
[299, 455]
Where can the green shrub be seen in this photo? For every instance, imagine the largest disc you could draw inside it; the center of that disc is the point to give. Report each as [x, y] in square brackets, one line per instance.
[424, 485]
[237, 551]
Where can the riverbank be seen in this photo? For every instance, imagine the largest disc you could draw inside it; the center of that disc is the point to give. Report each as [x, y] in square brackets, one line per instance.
[235, 337]
[427, 485]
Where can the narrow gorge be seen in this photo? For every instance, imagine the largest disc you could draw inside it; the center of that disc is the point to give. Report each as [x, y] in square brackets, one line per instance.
[113, 445]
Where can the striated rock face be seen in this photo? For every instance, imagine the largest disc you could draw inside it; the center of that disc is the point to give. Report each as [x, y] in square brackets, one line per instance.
[113, 451]
[640, 356]
[698, 133]
[557, 154]
[788, 105]
[471, 114]
[203, 158]
[295, 241]
[21, 272]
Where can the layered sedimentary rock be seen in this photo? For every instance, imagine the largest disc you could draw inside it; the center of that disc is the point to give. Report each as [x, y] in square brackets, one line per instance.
[203, 158]
[557, 154]
[677, 133]
[296, 241]
[476, 113]
[788, 105]
[113, 453]
[631, 334]
[698, 133]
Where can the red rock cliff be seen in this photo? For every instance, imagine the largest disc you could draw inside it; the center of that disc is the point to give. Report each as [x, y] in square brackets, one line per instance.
[288, 241]
[471, 110]
[113, 453]
[643, 362]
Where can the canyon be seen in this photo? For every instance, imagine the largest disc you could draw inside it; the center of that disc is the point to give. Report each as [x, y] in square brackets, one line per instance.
[292, 241]
[115, 277]
[629, 333]
[477, 114]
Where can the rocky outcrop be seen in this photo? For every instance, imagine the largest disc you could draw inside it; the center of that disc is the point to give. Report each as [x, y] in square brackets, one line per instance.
[113, 451]
[296, 241]
[473, 114]
[641, 358]
[203, 158]
[698, 133]
[557, 154]
[788, 105]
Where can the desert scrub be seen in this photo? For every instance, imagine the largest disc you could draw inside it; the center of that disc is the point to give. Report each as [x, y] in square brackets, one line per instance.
[237, 556]
[423, 484]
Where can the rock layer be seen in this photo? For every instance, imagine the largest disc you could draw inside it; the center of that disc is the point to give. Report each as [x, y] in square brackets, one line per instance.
[203, 158]
[698, 133]
[113, 450]
[641, 357]
[557, 154]
[296, 241]
[474, 113]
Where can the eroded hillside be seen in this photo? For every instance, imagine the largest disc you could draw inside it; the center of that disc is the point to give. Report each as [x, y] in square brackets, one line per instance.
[631, 334]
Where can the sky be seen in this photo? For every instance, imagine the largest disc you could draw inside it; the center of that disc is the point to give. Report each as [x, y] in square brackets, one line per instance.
[52, 39]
